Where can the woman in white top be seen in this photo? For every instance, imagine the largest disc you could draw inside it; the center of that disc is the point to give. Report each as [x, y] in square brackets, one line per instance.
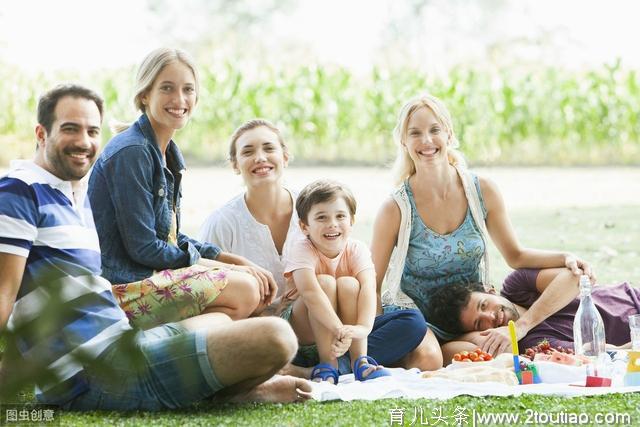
[262, 224]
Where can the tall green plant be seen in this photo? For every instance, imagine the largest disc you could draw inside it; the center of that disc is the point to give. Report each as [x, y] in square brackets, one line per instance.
[331, 115]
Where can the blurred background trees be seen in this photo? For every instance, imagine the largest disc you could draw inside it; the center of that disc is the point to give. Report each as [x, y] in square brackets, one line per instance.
[527, 82]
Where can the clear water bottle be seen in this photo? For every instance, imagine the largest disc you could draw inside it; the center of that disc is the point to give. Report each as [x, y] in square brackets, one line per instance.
[588, 331]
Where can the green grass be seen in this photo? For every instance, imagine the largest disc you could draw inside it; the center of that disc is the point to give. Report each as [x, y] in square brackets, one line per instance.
[586, 231]
[606, 237]
[376, 413]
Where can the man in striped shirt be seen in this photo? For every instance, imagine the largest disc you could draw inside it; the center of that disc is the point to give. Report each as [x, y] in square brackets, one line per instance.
[62, 315]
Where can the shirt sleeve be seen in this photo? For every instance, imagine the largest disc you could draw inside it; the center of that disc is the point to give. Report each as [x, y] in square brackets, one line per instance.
[519, 287]
[218, 230]
[302, 255]
[359, 257]
[206, 250]
[18, 217]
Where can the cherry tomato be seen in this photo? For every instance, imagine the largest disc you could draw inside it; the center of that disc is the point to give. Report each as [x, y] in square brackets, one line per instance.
[457, 357]
[487, 357]
[479, 351]
[473, 357]
[464, 353]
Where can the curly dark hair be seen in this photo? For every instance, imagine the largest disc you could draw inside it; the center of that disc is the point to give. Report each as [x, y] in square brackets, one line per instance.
[446, 304]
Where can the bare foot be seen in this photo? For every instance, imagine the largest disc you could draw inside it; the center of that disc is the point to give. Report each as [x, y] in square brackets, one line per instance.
[280, 389]
[296, 371]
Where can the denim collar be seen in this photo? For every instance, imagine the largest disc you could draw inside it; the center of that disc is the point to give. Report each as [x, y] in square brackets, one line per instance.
[150, 136]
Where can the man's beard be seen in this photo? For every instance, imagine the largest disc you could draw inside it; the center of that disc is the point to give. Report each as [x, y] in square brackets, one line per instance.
[63, 167]
[511, 313]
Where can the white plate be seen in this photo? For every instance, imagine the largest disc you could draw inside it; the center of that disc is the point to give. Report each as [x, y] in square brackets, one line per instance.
[504, 360]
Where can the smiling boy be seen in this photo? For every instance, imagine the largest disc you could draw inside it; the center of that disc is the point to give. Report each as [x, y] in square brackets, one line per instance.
[335, 278]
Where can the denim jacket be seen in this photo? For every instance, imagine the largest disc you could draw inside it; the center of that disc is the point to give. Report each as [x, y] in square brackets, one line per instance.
[132, 193]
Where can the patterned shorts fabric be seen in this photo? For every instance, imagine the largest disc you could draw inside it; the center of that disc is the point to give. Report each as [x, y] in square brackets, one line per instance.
[170, 295]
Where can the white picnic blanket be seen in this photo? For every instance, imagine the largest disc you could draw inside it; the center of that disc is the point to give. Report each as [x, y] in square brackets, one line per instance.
[410, 385]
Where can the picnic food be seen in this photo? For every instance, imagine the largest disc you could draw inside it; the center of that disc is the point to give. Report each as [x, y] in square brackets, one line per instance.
[544, 347]
[473, 374]
[562, 358]
[472, 356]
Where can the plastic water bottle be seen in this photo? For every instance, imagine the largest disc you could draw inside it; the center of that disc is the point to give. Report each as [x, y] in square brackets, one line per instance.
[588, 331]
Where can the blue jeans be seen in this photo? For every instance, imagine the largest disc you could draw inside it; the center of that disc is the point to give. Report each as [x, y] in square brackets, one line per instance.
[172, 372]
[442, 335]
[394, 335]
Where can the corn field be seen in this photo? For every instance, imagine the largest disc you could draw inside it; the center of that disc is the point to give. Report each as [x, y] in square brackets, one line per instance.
[332, 116]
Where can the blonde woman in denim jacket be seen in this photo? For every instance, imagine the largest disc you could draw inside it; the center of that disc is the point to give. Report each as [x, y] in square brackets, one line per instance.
[158, 274]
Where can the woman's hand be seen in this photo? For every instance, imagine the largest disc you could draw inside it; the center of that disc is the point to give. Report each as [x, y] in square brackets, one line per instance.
[266, 283]
[579, 267]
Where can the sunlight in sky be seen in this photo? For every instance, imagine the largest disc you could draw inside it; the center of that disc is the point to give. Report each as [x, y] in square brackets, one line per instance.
[73, 34]
[89, 35]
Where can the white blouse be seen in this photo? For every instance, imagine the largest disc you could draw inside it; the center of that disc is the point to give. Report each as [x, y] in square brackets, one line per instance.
[235, 230]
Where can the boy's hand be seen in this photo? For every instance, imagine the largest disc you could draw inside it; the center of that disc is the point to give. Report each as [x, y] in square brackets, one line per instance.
[341, 341]
[357, 332]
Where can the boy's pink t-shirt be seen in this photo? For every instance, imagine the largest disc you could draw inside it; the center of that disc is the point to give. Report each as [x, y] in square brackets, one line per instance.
[350, 262]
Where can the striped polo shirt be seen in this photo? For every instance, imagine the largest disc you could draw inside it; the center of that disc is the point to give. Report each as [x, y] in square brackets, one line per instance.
[64, 311]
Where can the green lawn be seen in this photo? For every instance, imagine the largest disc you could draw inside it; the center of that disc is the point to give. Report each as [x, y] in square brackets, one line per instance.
[605, 236]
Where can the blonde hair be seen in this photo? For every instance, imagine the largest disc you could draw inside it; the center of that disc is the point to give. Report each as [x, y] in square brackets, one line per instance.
[250, 125]
[151, 66]
[403, 166]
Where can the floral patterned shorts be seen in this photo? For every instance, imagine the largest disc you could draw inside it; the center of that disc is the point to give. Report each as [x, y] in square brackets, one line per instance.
[170, 295]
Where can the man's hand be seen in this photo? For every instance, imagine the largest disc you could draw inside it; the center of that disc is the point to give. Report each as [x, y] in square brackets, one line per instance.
[497, 340]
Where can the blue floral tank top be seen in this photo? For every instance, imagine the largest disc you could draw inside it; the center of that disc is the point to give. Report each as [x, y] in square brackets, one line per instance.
[435, 259]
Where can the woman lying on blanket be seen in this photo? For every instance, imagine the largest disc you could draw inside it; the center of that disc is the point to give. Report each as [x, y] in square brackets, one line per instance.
[438, 221]
[159, 274]
[262, 225]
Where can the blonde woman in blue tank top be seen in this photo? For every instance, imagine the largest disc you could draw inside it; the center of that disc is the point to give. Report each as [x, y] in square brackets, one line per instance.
[433, 231]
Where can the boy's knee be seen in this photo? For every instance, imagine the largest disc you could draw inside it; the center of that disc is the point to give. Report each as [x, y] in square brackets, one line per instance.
[327, 283]
[348, 285]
